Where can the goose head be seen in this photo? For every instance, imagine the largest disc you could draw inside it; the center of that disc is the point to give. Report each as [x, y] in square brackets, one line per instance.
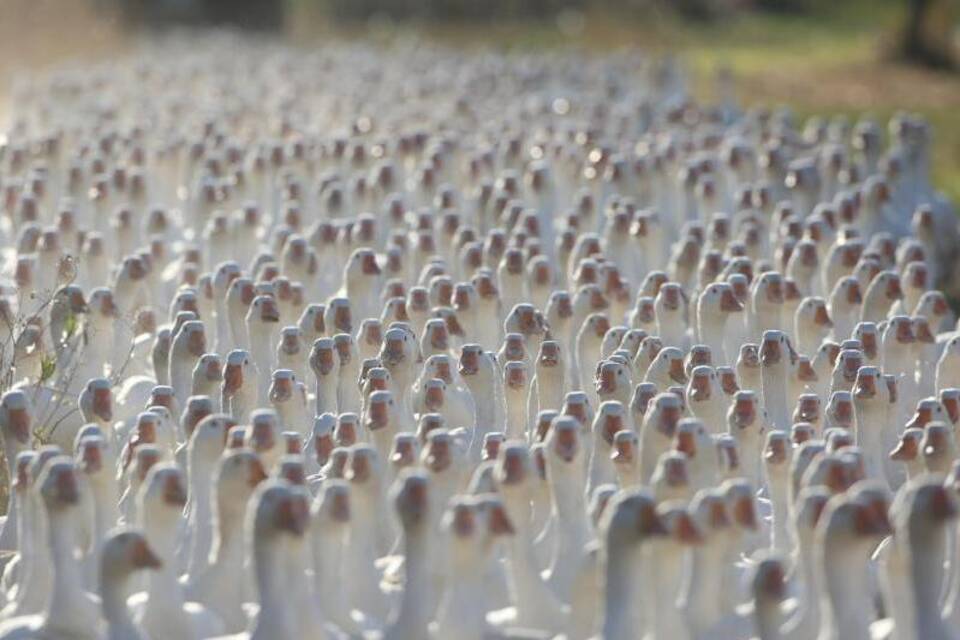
[324, 358]
[290, 468]
[238, 372]
[225, 274]
[278, 511]
[311, 322]
[124, 552]
[938, 447]
[196, 409]
[347, 351]
[514, 349]
[867, 383]
[438, 366]
[58, 484]
[162, 496]
[716, 301]
[702, 385]
[745, 418]
[263, 313]
[928, 410]
[549, 357]
[291, 342]
[15, 420]
[404, 452]
[240, 292]
[189, 342]
[643, 394]
[263, 436]
[399, 351]
[664, 414]
[610, 419]
[338, 317]
[613, 381]
[934, 307]
[382, 412]
[512, 475]
[769, 588]
[671, 477]
[526, 320]
[667, 367]
[845, 370]
[411, 501]
[576, 405]
[883, 291]
[322, 438]
[869, 336]
[630, 517]
[812, 312]
[208, 372]
[370, 336]
[775, 348]
[563, 447]
[741, 504]
[345, 433]
[209, 438]
[693, 440]
[237, 475]
[362, 267]
[283, 386]
[92, 452]
[330, 512]
[907, 450]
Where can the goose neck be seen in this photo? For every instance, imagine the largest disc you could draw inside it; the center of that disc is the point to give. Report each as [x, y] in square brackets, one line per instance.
[413, 614]
[68, 605]
[622, 616]
[271, 580]
[845, 600]
[706, 583]
[926, 578]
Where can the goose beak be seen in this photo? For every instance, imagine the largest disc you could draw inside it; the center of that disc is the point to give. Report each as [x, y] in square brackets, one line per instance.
[677, 373]
[905, 450]
[18, 421]
[770, 353]
[776, 452]
[378, 415]
[91, 461]
[257, 473]
[607, 382]
[291, 517]
[174, 493]
[565, 445]
[370, 266]
[232, 378]
[269, 311]
[686, 444]
[143, 557]
[854, 296]
[894, 290]
[729, 302]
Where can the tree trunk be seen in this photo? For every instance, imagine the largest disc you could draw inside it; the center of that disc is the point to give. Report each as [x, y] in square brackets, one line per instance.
[927, 34]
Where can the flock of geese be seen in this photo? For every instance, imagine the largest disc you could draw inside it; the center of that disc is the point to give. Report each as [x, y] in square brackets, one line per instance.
[414, 343]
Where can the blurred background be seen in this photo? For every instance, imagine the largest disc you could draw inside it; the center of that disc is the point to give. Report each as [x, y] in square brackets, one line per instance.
[818, 56]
